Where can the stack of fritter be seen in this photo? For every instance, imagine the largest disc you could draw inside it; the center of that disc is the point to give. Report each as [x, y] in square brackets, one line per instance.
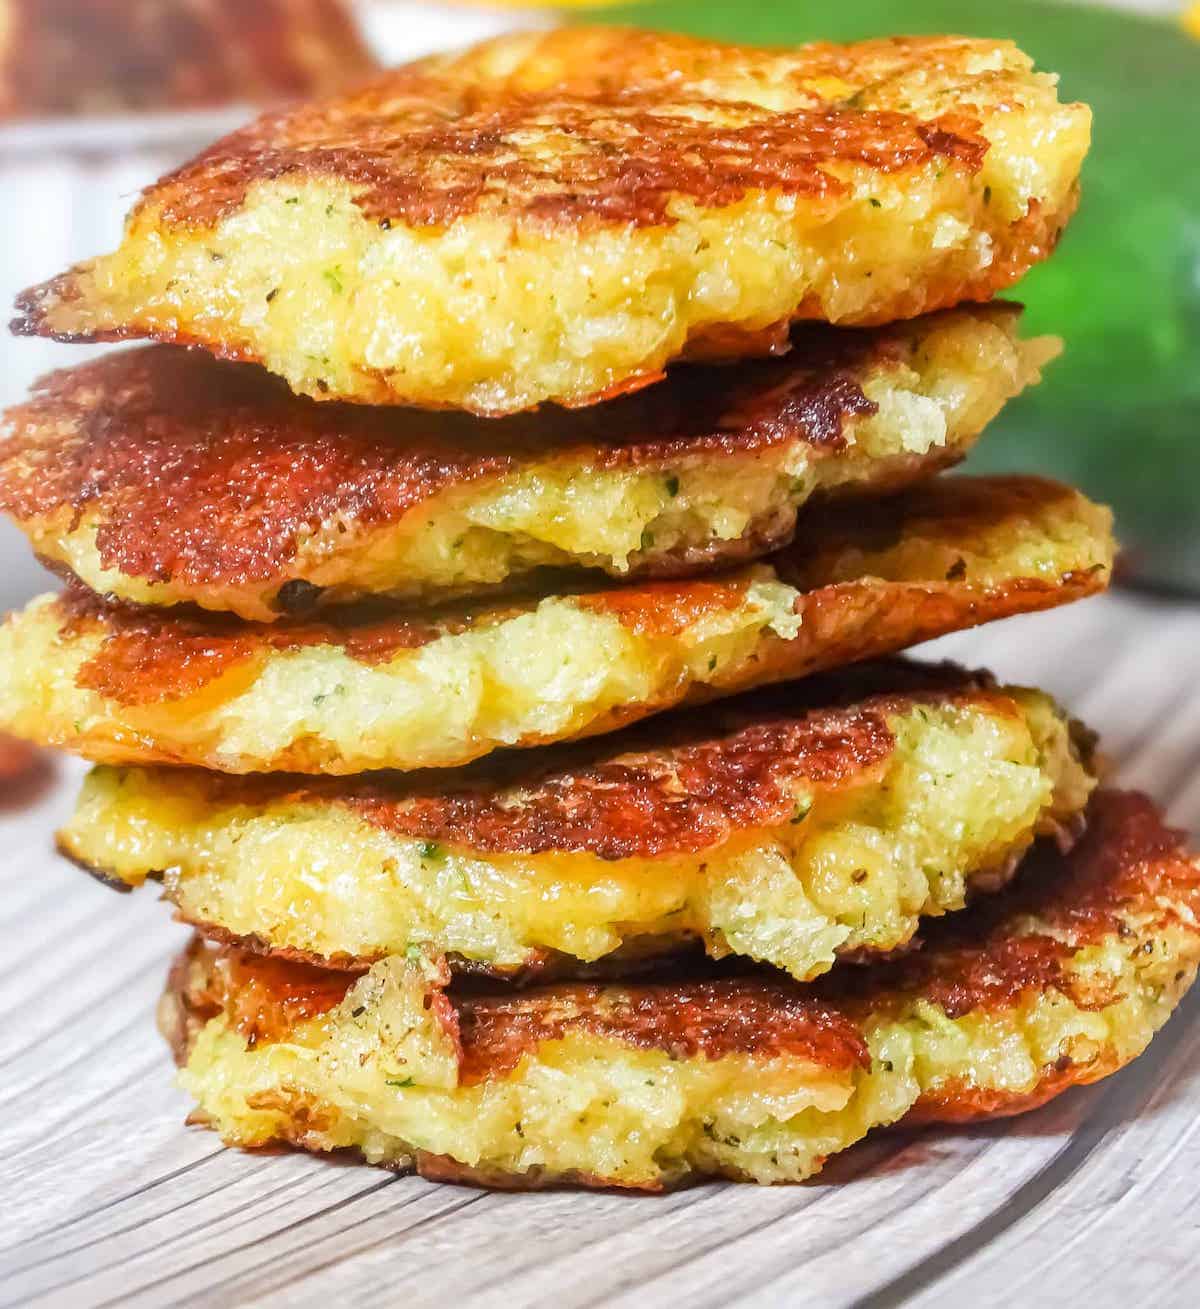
[335, 640]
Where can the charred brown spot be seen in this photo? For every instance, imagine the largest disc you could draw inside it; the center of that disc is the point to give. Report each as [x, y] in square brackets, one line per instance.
[298, 597]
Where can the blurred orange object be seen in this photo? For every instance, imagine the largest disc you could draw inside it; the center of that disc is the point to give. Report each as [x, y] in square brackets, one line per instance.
[1191, 20]
[15, 757]
[72, 57]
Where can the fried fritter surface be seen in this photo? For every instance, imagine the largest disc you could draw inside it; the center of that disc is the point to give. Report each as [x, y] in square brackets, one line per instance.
[556, 216]
[111, 56]
[1057, 982]
[789, 827]
[162, 476]
[410, 691]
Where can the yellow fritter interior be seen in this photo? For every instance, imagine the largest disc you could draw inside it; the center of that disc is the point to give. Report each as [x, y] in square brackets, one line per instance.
[963, 793]
[566, 668]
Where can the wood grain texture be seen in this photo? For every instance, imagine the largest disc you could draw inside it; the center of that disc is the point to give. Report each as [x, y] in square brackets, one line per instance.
[106, 1198]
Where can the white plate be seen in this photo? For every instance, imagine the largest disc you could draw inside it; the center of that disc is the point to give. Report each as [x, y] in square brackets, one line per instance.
[106, 1198]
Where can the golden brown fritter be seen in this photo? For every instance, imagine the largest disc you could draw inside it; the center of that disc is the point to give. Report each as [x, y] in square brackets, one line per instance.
[794, 827]
[556, 216]
[440, 688]
[1057, 982]
[111, 56]
[162, 476]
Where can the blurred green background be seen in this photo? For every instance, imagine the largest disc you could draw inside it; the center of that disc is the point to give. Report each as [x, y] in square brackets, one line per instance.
[1119, 413]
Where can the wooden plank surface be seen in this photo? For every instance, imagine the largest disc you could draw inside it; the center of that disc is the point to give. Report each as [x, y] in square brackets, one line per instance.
[106, 1198]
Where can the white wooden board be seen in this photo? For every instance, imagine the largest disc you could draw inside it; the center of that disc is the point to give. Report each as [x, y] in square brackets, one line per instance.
[106, 1198]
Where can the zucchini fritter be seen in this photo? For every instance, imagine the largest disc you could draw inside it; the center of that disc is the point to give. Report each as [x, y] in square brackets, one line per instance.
[408, 691]
[162, 476]
[791, 827]
[1057, 982]
[557, 216]
[114, 56]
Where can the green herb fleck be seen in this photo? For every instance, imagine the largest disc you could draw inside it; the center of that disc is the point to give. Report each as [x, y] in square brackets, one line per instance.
[406, 1081]
[414, 954]
[803, 809]
[429, 849]
[672, 486]
[334, 277]
[712, 662]
[292, 200]
[647, 538]
[875, 204]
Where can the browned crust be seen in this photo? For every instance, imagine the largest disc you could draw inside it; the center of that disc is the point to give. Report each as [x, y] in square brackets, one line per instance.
[436, 140]
[681, 785]
[687, 1020]
[263, 998]
[202, 474]
[1127, 879]
[104, 56]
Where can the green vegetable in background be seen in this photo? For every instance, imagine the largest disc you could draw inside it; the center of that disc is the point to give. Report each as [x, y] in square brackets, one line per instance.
[1119, 414]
